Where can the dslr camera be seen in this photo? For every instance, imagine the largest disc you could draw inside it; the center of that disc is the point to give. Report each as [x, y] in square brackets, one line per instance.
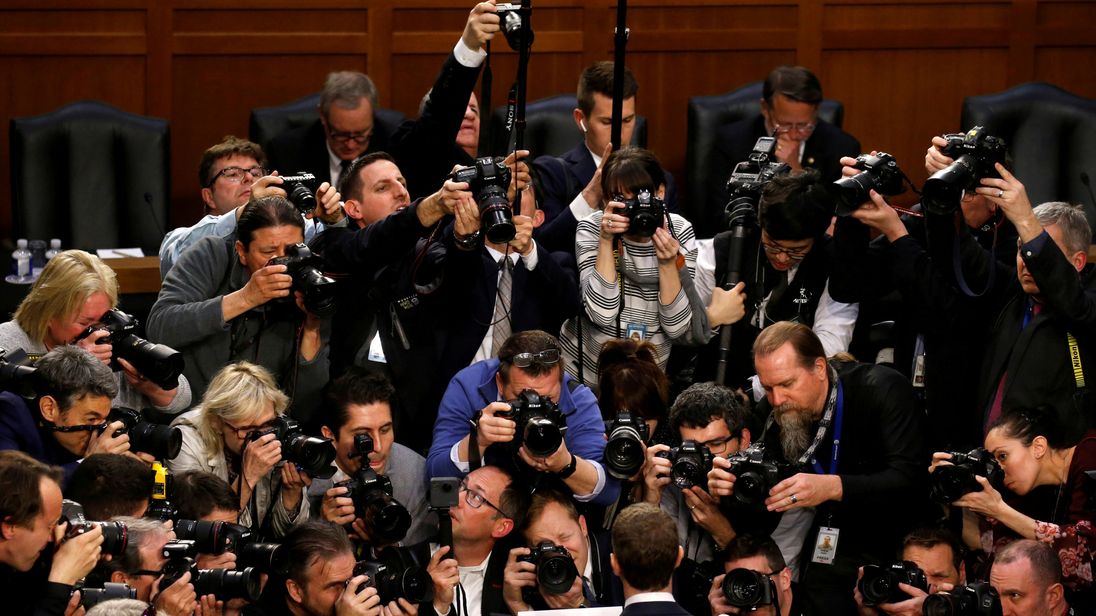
[748, 179]
[115, 534]
[628, 433]
[556, 571]
[219, 537]
[14, 376]
[300, 189]
[306, 270]
[645, 212]
[159, 441]
[880, 584]
[386, 519]
[975, 599]
[510, 21]
[540, 423]
[879, 173]
[746, 588]
[488, 180]
[312, 455]
[395, 575]
[158, 363]
[225, 584]
[690, 464]
[975, 155]
[755, 474]
[948, 483]
[90, 597]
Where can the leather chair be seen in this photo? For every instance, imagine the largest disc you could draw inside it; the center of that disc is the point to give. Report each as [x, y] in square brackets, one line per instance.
[92, 175]
[268, 122]
[549, 128]
[708, 113]
[1051, 135]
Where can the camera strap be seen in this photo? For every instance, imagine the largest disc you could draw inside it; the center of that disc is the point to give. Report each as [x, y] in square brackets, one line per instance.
[957, 267]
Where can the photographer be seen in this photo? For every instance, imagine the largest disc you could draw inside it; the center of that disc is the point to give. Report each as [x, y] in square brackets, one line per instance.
[227, 435]
[478, 397]
[110, 485]
[223, 302]
[648, 295]
[939, 556]
[758, 554]
[360, 404]
[75, 290]
[1028, 577]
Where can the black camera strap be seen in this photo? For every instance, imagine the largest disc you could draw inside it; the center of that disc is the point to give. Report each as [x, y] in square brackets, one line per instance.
[957, 266]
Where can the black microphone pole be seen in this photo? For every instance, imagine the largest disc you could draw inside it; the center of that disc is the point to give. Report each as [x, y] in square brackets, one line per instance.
[525, 38]
[741, 212]
[620, 42]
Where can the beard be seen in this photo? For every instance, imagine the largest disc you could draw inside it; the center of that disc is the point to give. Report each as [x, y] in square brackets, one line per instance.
[796, 429]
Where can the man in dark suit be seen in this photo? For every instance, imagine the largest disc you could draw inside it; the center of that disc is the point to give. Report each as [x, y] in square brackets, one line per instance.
[645, 555]
[757, 554]
[791, 96]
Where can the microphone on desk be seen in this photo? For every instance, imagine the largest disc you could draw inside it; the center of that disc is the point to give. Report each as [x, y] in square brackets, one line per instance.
[155, 219]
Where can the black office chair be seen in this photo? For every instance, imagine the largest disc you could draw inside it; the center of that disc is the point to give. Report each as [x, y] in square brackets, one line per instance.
[708, 113]
[92, 175]
[1051, 134]
[269, 122]
[549, 128]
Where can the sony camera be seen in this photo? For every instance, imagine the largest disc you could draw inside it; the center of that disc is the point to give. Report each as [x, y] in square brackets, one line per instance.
[879, 585]
[386, 519]
[748, 179]
[300, 189]
[219, 537]
[159, 441]
[556, 571]
[879, 173]
[690, 462]
[975, 154]
[540, 423]
[645, 212]
[115, 534]
[975, 599]
[90, 597]
[755, 475]
[395, 575]
[306, 269]
[747, 588]
[312, 455]
[158, 363]
[225, 584]
[948, 483]
[14, 376]
[488, 180]
[624, 454]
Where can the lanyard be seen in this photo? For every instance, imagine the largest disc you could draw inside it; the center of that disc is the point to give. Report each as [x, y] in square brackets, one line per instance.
[834, 413]
[836, 434]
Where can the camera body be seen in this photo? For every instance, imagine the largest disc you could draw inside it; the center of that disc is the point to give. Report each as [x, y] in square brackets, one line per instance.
[690, 462]
[219, 537]
[949, 483]
[225, 584]
[161, 442]
[160, 506]
[300, 189]
[313, 455]
[755, 474]
[879, 173]
[510, 22]
[540, 423]
[624, 449]
[90, 597]
[747, 180]
[880, 584]
[158, 363]
[975, 599]
[395, 575]
[556, 571]
[14, 376]
[747, 588]
[306, 269]
[975, 154]
[488, 179]
[386, 519]
[645, 212]
[115, 534]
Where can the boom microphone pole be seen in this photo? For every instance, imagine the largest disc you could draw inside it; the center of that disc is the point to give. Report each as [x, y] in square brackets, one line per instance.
[524, 42]
[620, 42]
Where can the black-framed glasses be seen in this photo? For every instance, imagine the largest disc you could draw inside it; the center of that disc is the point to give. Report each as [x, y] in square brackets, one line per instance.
[547, 357]
[791, 253]
[236, 174]
[359, 136]
[476, 500]
[718, 445]
[243, 431]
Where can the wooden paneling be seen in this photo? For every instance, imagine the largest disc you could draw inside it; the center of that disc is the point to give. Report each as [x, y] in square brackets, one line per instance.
[902, 67]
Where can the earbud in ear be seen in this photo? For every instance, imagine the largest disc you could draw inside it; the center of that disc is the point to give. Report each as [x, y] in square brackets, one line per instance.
[582, 124]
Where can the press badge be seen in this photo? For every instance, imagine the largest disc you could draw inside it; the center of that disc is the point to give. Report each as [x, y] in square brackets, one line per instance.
[636, 331]
[825, 548]
[376, 351]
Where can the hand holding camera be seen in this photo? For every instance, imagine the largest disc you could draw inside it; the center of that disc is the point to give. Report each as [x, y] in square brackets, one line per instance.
[667, 248]
[260, 456]
[354, 602]
[523, 235]
[518, 575]
[178, 599]
[613, 223]
[482, 26]
[656, 473]
[294, 481]
[95, 344]
[76, 555]
[493, 428]
[267, 283]
[704, 508]
[720, 479]
[337, 506]
[114, 439]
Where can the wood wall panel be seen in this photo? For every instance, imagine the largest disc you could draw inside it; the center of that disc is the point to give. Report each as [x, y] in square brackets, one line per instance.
[902, 67]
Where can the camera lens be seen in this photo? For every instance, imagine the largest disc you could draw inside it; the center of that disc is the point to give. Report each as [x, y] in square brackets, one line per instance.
[115, 537]
[746, 588]
[227, 584]
[687, 472]
[386, 519]
[314, 455]
[263, 557]
[750, 488]
[158, 363]
[941, 604]
[496, 217]
[624, 452]
[542, 437]
[416, 586]
[90, 597]
[556, 573]
[161, 442]
[943, 191]
[209, 537]
[319, 291]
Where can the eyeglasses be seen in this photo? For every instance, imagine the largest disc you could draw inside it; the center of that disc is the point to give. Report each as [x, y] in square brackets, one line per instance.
[799, 127]
[718, 445]
[547, 357]
[476, 500]
[244, 431]
[791, 253]
[359, 136]
[236, 174]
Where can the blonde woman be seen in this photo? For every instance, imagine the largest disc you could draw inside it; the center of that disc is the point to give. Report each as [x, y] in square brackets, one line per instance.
[74, 291]
[243, 399]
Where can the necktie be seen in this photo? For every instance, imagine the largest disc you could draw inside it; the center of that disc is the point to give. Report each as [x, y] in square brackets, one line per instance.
[344, 166]
[501, 319]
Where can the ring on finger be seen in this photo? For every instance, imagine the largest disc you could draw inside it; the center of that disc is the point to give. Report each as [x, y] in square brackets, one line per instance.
[1000, 193]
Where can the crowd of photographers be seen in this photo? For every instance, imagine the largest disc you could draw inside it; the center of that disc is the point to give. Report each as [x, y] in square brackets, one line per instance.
[527, 383]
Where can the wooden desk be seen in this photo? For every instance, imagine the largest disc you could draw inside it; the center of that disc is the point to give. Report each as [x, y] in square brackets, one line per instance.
[136, 274]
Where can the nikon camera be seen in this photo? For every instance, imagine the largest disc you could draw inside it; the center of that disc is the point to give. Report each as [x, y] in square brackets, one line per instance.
[749, 589]
[159, 441]
[948, 483]
[300, 189]
[313, 455]
[306, 270]
[975, 154]
[645, 212]
[395, 575]
[540, 423]
[880, 584]
[158, 363]
[879, 173]
[225, 584]
[975, 599]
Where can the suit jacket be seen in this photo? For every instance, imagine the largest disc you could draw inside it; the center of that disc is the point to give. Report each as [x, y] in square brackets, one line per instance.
[305, 149]
[491, 600]
[654, 608]
[734, 142]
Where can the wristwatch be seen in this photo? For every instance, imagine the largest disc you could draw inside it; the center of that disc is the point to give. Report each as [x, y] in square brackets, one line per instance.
[570, 469]
[469, 243]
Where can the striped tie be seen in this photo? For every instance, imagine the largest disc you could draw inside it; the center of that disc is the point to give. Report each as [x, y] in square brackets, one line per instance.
[501, 319]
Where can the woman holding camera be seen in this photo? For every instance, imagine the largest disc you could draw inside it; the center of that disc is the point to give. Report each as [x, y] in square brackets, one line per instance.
[230, 435]
[72, 294]
[636, 263]
[1031, 448]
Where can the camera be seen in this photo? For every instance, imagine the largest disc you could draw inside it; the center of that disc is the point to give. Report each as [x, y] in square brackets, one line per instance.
[386, 519]
[396, 575]
[879, 173]
[748, 588]
[225, 584]
[975, 155]
[488, 180]
[510, 21]
[90, 597]
[975, 599]
[880, 584]
[747, 180]
[624, 453]
[115, 534]
[556, 571]
[312, 455]
[300, 189]
[219, 537]
[755, 475]
[14, 376]
[948, 483]
[690, 464]
[540, 423]
[158, 363]
[159, 441]
[306, 270]
[159, 502]
[645, 212]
